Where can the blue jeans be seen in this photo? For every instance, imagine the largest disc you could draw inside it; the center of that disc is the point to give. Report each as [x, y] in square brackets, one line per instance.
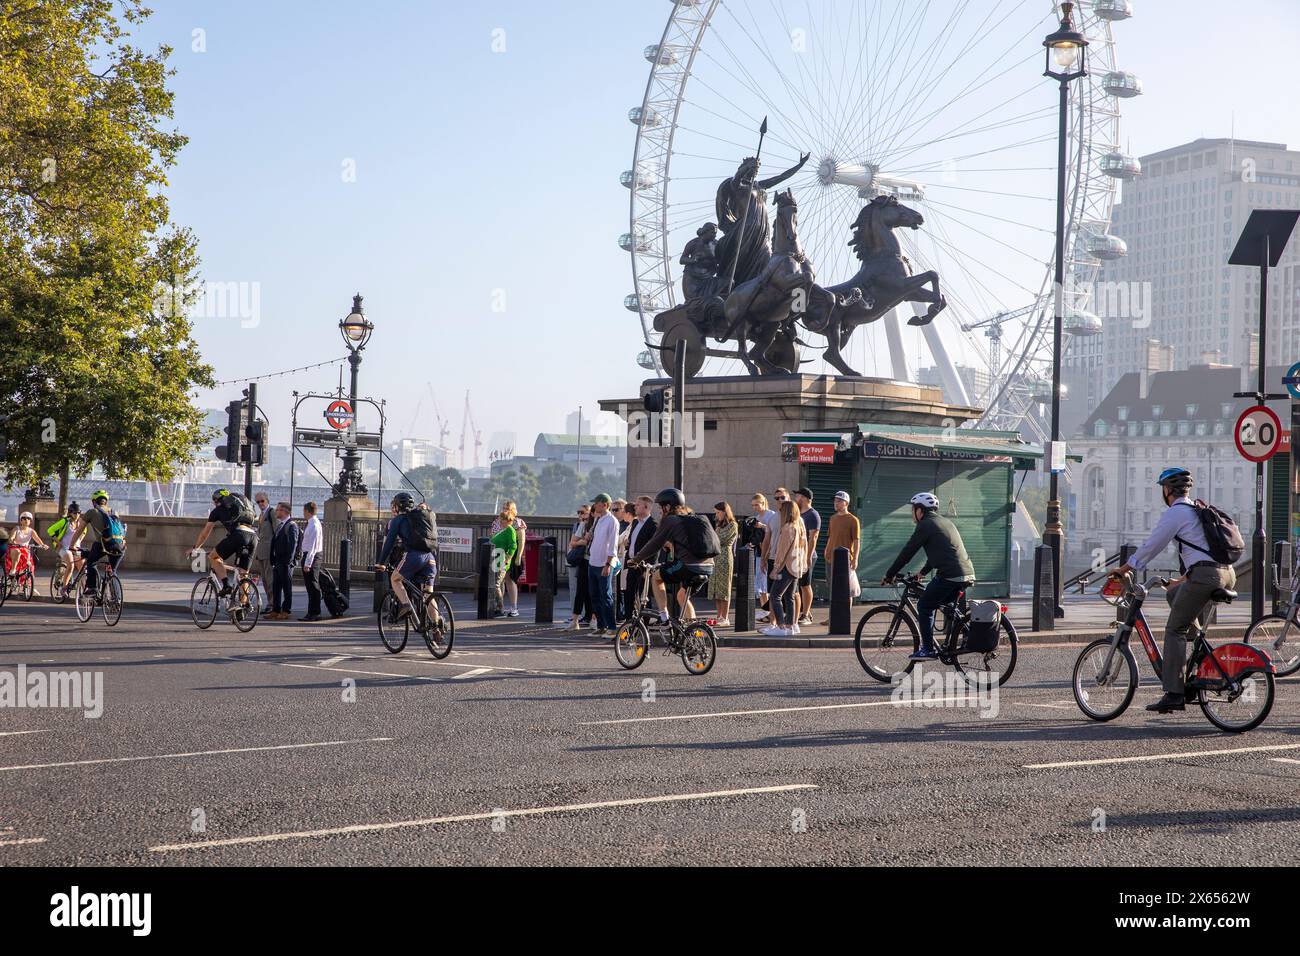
[600, 590]
[937, 592]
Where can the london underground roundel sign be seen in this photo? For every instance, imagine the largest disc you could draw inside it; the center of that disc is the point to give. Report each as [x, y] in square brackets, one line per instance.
[339, 414]
[1258, 433]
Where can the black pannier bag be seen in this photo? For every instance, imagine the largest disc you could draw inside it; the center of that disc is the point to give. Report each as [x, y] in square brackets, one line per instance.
[985, 627]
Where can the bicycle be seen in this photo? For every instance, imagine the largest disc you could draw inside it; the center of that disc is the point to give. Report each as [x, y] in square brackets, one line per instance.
[243, 605]
[889, 634]
[692, 640]
[1218, 678]
[59, 593]
[24, 582]
[107, 596]
[432, 616]
[1271, 632]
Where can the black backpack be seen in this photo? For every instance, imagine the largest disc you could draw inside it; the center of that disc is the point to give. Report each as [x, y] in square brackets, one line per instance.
[244, 511]
[1226, 545]
[701, 540]
[752, 531]
[423, 530]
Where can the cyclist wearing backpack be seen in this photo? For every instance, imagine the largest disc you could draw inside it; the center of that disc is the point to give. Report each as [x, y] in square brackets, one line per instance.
[1210, 541]
[236, 514]
[414, 527]
[109, 537]
[694, 543]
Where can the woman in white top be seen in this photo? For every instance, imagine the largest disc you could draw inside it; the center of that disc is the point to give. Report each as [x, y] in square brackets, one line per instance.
[20, 543]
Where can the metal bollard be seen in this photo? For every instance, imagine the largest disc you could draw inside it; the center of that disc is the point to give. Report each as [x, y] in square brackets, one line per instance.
[345, 567]
[841, 597]
[743, 606]
[1044, 603]
[544, 611]
[485, 582]
[380, 585]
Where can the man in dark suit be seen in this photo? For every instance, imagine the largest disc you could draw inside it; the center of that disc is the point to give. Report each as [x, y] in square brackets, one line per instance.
[284, 550]
[642, 530]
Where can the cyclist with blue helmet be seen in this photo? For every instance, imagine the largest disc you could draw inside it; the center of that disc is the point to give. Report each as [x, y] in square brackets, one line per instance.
[1188, 595]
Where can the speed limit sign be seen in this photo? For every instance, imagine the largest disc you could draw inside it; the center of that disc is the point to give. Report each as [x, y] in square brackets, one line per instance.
[1258, 433]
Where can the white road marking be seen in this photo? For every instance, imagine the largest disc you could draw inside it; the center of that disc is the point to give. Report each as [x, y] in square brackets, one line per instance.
[1150, 757]
[417, 659]
[331, 660]
[1284, 760]
[474, 673]
[468, 817]
[340, 670]
[769, 710]
[15, 733]
[1050, 706]
[26, 842]
[197, 753]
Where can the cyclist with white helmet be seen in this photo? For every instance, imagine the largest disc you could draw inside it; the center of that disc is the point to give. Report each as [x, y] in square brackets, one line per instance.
[1189, 596]
[945, 554]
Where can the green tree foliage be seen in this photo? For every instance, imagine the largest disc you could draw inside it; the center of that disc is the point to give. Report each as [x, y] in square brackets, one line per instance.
[443, 487]
[100, 359]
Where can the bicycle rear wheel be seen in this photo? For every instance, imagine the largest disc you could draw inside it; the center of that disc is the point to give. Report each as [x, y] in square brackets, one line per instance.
[1279, 639]
[885, 638]
[699, 647]
[111, 606]
[995, 666]
[1100, 693]
[440, 630]
[1242, 708]
[392, 634]
[246, 606]
[57, 594]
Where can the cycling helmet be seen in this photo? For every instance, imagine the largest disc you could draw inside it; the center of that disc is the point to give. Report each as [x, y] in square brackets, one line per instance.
[1176, 480]
[74, 509]
[671, 496]
[403, 501]
[925, 500]
[219, 494]
[97, 497]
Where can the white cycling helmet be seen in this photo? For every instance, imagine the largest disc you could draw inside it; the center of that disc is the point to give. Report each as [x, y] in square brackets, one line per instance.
[925, 500]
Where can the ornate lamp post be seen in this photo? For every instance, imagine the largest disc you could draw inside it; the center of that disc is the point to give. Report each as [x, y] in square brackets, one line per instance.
[1066, 51]
[356, 330]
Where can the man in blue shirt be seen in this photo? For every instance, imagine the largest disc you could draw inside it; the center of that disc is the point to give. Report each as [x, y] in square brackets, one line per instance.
[1189, 595]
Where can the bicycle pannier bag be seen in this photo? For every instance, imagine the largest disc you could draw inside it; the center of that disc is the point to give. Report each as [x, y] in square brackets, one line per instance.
[701, 539]
[985, 627]
[1226, 545]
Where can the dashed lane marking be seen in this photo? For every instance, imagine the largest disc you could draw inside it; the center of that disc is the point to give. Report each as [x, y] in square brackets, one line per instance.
[196, 753]
[1145, 758]
[468, 817]
[771, 710]
[472, 673]
[16, 733]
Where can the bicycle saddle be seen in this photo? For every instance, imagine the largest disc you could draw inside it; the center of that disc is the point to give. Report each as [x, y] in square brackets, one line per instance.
[1222, 596]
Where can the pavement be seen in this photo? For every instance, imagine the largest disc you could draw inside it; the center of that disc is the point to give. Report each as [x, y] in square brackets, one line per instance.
[1086, 616]
[308, 744]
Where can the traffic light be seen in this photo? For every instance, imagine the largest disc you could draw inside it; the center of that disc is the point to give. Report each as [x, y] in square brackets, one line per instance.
[229, 452]
[659, 400]
[256, 446]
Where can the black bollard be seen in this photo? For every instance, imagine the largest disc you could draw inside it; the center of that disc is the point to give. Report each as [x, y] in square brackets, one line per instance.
[1044, 602]
[545, 607]
[381, 581]
[345, 567]
[484, 576]
[743, 613]
[841, 615]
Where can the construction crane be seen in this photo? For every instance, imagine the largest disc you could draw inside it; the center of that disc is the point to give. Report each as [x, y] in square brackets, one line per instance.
[443, 427]
[467, 424]
[993, 330]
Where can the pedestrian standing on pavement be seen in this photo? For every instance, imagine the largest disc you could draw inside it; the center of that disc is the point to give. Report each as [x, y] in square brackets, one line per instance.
[812, 521]
[843, 531]
[309, 557]
[760, 527]
[575, 558]
[643, 529]
[505, 546]
[283, 553]
[602, 558]
[266, 527]
[789, 558]
[724, 522]
[626, 516]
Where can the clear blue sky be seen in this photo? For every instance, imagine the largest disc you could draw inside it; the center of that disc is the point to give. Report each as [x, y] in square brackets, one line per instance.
[479, 171]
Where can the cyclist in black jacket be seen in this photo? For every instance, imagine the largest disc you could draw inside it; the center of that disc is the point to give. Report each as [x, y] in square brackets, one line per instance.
[412, 525]
[944, 554]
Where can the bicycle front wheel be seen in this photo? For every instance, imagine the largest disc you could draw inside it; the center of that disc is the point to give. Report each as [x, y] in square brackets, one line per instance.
[995, 666]
[440, 626]
[203, 603]
[245, 606]
[699, 647]
[1279, 638]
[885, 639]
[27, 585]
[631, 644]
[392, 634]
[1104, 693]
[85, 602]
[111, 607]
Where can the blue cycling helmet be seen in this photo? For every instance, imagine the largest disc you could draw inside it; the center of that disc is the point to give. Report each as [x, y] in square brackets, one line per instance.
[1177, 480]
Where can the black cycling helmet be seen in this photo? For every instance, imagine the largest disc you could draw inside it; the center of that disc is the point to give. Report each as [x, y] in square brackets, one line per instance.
[219, 494]
[1175, 480]
[671, 496]
[74, 508]
[403, 501]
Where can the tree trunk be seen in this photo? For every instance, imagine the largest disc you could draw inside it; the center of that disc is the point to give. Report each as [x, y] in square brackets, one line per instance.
[63, 488]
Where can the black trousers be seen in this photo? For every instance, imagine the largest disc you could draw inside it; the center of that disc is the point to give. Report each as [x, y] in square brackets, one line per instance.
[281, 587]
[311, 580]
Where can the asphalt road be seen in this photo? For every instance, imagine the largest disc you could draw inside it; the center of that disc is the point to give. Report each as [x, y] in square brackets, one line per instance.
[531, 746]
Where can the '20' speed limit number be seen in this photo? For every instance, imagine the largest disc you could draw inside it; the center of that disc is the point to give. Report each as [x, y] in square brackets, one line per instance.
[1258, 433]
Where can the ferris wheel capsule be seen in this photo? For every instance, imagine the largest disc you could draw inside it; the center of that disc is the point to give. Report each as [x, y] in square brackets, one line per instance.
[1113, 10]
[1107, 247]
[662, 55]
[1079, 322]
[639, 181]
[1121, 166]
[627, 243]
[1122, 83]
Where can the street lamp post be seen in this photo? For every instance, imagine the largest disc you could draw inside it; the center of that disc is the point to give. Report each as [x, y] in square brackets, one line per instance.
[1066, 61]
[356, 330]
